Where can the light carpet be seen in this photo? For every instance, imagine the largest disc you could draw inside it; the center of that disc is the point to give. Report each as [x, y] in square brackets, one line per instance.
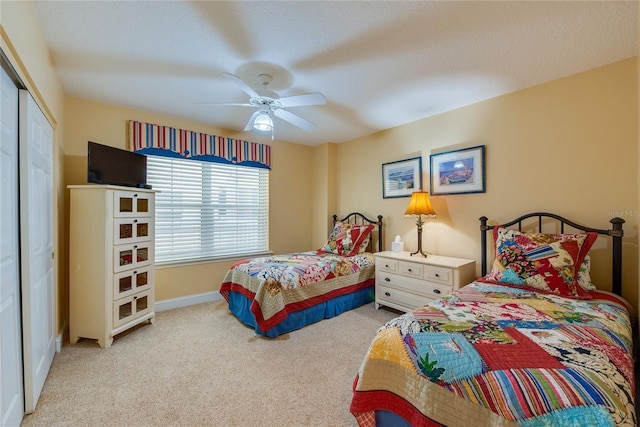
[199, 366]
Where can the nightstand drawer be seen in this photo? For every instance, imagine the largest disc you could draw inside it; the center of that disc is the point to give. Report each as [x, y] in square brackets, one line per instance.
[385, 264]
[438, 274]
[407, 284]
[411, 269]
[435, 290]
[400, 299]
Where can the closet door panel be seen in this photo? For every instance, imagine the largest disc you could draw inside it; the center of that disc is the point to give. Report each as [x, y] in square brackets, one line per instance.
[11, 390]
[36, 227]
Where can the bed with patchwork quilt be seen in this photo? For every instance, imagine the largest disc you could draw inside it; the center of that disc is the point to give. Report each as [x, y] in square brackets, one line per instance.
[531, 343]
[278, 294]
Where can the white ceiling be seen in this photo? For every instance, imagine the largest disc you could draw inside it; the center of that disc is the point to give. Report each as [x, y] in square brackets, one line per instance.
[379, 64]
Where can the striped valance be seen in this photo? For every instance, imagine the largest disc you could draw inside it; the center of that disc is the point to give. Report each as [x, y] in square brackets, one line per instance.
[148, 138]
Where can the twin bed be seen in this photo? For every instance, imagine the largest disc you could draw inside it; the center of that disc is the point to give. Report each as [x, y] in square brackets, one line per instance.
[530, 343]
[281, 293]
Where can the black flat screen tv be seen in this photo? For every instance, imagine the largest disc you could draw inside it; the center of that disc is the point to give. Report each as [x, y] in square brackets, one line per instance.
[114, 166]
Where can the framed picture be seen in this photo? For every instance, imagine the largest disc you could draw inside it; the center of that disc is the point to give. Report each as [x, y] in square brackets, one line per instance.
[458, 171]
[401, 178]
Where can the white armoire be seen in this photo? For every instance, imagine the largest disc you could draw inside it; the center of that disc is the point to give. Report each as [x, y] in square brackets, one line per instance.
[111, 260]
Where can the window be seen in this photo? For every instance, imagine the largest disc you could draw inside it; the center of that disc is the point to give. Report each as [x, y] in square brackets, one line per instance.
[208, 210]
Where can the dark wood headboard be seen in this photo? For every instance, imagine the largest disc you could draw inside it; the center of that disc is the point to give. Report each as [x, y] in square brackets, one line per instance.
[615, 232]
[358, 218]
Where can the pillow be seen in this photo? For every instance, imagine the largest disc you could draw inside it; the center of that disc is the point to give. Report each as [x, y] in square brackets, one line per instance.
[331, 245]
[545, 262]
[348, 239]
[584, 275]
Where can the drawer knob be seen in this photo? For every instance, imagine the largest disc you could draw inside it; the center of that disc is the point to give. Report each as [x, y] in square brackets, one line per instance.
[387, 294]
[437, 275]
[386, 265]
[437, 291]
[409, 270]
[386, 279]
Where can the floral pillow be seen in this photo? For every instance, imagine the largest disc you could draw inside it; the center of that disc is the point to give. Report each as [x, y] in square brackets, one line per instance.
[348, 239]
[584, 275]
[545, 262]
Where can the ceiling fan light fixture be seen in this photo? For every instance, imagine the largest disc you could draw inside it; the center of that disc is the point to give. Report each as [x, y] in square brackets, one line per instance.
[263, 122]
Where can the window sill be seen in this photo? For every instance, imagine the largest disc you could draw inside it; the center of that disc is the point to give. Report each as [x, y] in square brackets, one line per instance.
[198, 261]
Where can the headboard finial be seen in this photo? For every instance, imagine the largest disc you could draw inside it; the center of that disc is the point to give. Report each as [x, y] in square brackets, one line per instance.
[483, 222]
[617, 226]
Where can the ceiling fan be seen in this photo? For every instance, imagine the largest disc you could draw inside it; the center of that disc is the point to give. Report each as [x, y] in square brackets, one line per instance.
[269, 104]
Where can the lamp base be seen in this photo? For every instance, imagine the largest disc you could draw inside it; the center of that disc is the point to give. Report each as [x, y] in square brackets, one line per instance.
[419, 251]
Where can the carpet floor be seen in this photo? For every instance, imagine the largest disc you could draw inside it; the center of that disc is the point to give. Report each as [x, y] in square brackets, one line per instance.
[199, 366]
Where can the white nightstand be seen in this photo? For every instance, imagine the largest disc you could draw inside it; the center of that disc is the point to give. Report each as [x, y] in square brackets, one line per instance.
[406, 282]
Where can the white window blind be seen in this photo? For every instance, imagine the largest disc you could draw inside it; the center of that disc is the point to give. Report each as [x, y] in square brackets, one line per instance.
[208, 210]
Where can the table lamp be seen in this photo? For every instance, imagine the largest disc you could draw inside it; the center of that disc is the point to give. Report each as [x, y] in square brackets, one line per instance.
[418, 206]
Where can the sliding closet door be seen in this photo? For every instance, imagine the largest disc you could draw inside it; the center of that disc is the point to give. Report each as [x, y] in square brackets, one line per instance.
[36, 228]
[11, 392]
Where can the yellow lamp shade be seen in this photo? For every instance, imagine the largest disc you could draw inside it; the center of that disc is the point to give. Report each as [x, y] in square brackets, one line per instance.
[420, 205]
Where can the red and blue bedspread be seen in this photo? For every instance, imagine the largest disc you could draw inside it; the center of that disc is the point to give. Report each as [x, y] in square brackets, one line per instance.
[495, 355]
[280, 293]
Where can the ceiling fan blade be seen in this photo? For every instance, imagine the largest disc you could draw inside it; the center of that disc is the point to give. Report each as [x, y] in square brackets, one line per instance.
[294, 119]
[238, 104]
[245, 87]
[249, 125]
[301, 100]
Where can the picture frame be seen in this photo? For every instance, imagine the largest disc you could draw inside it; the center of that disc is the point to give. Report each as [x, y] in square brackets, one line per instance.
[401, 178]
[458, 171]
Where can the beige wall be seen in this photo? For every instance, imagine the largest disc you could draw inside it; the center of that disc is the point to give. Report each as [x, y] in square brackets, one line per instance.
[569, 146]
[584, 128]
[27, 52]
[290, 185]
[323, 194]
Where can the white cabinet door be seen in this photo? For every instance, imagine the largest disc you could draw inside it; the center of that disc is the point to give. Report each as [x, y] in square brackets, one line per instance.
[11, 391]
[36, 228]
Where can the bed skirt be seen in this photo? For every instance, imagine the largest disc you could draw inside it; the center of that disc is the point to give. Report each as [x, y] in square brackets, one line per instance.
[240, 306]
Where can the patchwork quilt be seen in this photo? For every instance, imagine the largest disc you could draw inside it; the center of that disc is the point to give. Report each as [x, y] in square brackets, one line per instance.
[490, 354]
[279, 285]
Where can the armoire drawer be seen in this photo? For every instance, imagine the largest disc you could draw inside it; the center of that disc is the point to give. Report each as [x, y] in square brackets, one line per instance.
[132, 230]
[126, 257]
[132, 203]
[132, 281]
[132, 307]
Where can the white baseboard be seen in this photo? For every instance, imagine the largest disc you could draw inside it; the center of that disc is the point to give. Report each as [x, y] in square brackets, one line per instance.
[60, 338]
[169, 304]
[59, 343]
